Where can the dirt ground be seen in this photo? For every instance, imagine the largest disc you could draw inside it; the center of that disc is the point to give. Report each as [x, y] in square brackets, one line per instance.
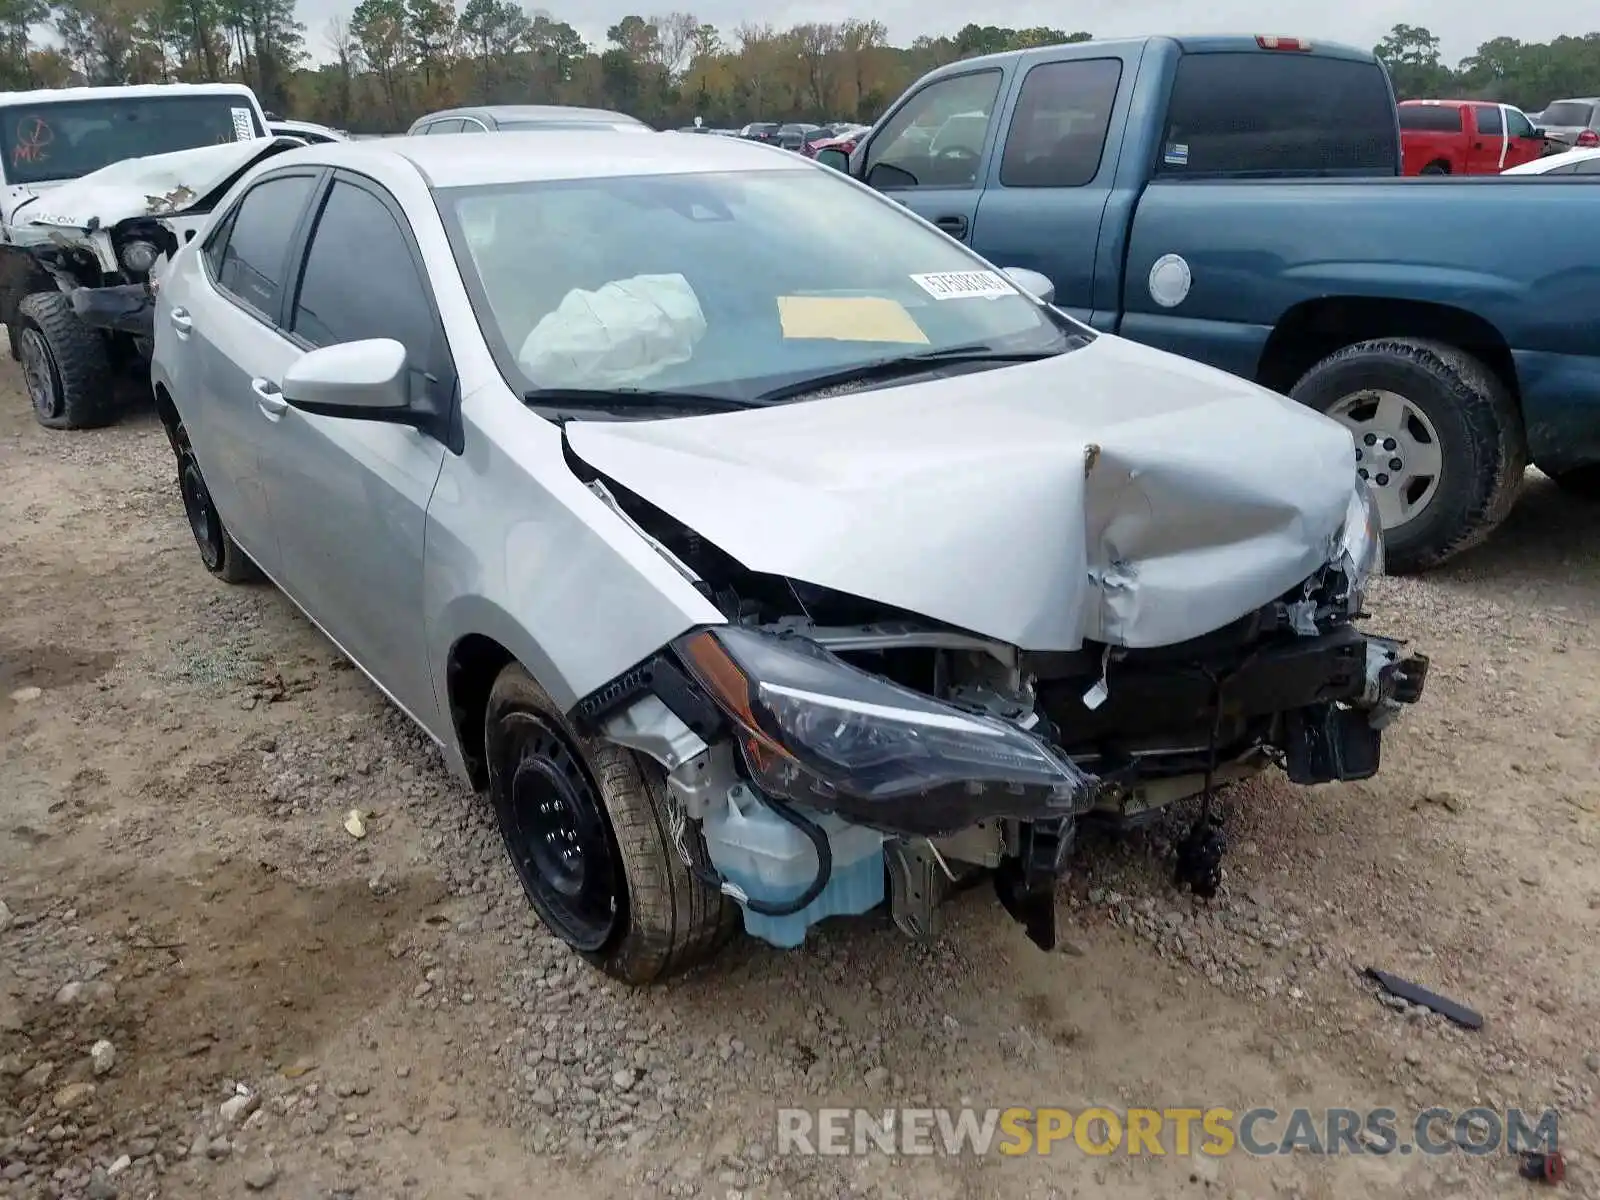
[179, 758]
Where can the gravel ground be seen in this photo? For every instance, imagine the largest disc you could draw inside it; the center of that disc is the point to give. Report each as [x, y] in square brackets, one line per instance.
[208, 987]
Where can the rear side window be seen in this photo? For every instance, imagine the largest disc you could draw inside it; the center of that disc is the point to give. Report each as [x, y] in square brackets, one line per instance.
[1058, 132]
[1488, 118]
[451, 126]
[1278, 112]
[1568, 113]
[253, 261]
[1589, 166]
[1435, 118]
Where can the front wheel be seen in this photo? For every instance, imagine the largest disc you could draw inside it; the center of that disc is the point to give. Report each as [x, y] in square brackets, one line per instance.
[64, 364]
[1438, 440]
[587, 825]
[219, 553]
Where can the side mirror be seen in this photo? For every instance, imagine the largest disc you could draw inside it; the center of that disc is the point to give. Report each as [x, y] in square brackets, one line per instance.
[887, 178]
[363, 380]
[1036, 285]
[837, 159]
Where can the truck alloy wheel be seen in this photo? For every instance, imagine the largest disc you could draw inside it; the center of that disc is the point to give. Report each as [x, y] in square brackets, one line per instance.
[39, 372]
[1397, 451]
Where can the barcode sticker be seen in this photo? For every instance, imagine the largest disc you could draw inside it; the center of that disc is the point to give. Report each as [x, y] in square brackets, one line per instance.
[244, 126]
[964, 285]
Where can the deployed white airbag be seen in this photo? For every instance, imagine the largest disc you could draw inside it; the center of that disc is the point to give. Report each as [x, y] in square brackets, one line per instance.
[618, 335]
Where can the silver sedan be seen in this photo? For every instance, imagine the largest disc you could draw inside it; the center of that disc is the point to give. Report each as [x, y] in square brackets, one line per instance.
[756, 586]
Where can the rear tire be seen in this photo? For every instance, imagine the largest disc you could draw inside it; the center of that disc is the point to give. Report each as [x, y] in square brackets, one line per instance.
[64, 363]
[1436, 168]
[586, 824]
[219, 553]
[1481, 447]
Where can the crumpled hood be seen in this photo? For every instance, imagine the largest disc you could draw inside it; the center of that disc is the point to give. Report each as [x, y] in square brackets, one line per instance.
[159, 185]
[1115, 493]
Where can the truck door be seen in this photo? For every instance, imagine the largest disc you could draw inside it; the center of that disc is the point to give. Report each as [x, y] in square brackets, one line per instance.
[1487, 149]
[1523, 141]
[1046, 187]
[928, 153]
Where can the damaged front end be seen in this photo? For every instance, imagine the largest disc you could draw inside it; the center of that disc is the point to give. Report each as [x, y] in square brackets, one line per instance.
[834, 753]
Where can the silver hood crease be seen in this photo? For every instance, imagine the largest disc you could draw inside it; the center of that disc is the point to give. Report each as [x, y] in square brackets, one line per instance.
[1113, 493]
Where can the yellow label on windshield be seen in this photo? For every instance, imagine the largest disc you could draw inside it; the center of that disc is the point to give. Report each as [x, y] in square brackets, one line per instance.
[848, 319]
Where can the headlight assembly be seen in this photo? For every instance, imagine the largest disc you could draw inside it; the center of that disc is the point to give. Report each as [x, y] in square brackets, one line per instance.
[1361, 541]
[139, 256]
[815, 730]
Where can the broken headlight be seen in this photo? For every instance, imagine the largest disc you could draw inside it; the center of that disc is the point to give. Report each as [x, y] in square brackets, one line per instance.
[139, 256]
[1361, 542]
[815, 730]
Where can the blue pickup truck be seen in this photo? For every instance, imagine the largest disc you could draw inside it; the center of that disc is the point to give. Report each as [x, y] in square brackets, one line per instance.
[1238, 201]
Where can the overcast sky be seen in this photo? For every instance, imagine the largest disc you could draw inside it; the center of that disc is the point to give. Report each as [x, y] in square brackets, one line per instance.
[1459, 24]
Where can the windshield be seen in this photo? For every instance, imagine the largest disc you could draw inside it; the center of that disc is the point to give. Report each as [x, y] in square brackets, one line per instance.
[65, 139]
[1571, 113]
[676, 282]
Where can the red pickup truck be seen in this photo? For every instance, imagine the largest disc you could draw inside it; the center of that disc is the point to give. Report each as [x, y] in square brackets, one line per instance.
[1465, 137]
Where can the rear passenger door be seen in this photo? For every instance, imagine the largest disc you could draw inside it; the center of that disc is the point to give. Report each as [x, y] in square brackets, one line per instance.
[1047, 186]
[929, 153]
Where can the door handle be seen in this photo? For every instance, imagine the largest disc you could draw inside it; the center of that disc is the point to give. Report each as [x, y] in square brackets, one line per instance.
[182, 322]
[269, 398]
[955, 226]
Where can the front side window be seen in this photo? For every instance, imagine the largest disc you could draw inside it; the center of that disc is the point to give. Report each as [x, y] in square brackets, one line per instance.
[1517, 123]
[676, 282]
[254, 258]
[1059, 131]
[66, 139]
[936, 138]
[1589, 166]
[1274, 112]
[449, 126]
[360, 280]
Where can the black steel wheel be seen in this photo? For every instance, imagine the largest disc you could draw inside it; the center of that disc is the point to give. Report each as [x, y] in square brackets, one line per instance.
[39, 373]
[588, 827]
[219, 553]
[204, 522]
[551, 818]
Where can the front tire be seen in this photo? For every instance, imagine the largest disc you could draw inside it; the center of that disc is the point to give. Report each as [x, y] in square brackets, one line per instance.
[1438, 438]
[64, 363]
[219, 553]
[586, 824]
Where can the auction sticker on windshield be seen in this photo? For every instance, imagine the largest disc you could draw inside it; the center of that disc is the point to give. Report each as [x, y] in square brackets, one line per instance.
[244, 126]
[963, 285]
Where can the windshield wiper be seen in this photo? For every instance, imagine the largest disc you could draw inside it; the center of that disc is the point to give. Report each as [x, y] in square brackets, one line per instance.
[628, 402]
[902, 364]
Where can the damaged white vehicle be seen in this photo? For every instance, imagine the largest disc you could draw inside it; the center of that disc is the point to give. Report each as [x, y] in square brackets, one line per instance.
[105, 186]
[758, 587]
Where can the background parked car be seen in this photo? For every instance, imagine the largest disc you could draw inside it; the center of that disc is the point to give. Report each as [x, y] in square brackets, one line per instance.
[1570, 162]
[308, 132]
[1403, 311]
[1465, 137]
[1573, 122]
[506, 117]
[760, 131]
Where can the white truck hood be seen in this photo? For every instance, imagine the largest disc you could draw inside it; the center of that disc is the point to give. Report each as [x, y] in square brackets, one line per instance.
[1114, 493]
[159, 185]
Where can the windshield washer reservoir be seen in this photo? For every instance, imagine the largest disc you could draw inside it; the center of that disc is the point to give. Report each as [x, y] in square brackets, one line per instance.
[769, 859]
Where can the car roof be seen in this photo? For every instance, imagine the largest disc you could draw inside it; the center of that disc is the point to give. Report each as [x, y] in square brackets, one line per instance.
[535, 112]
[525, 156]
[134, 90]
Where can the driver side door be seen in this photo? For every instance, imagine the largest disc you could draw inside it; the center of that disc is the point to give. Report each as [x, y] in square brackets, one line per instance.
[932, 154]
